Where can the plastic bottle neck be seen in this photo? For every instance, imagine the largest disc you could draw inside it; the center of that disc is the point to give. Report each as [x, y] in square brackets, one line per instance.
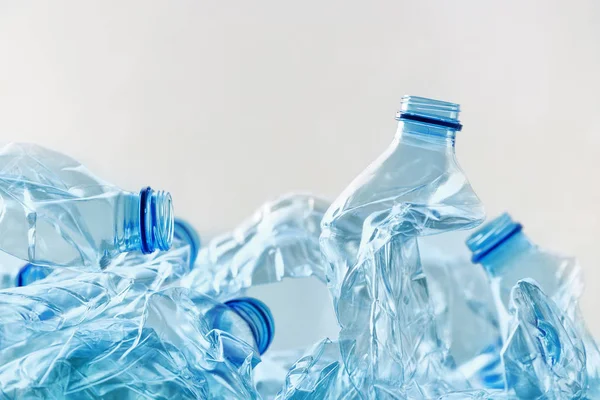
[429, 120]
[259, 319]
[497, 243]
[506, 253]
[147, 221]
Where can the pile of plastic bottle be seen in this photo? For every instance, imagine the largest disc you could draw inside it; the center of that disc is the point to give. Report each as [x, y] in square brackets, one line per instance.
[107, 295]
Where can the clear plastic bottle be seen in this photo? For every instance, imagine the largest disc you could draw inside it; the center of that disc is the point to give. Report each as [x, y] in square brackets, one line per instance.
[389, 340]
[179, 344]
[280, 240]
[507, 255]
[56, 213]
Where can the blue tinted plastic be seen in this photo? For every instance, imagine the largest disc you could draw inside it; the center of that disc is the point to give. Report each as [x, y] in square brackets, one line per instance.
[464, 308]
[543, 356]
[258, 317]
[281, 240]
[389, 340]
[167, 348]
[10, 266]
[68, 297]
[318, 375]
[185, 232]
[56, 213]
[514, 257]
[31, 273]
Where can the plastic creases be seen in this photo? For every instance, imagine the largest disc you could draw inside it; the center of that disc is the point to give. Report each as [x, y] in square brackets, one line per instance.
[389, 340]
[543, 356]
[464, 307]
[174, 347]
[280, 240]
[68, 297]
[56, 213]
[318, 375]
[508, 255]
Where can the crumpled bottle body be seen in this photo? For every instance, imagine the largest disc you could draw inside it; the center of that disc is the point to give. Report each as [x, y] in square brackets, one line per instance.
[543, 356]
[280, 240]
[389, 340]
[560, 278]
[56, 213]
[165, 349]
[69, 297]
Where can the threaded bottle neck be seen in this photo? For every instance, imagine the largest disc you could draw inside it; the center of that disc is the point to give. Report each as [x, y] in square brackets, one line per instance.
[259, 319]
[156, 220]
[435, 118]
[491, 236]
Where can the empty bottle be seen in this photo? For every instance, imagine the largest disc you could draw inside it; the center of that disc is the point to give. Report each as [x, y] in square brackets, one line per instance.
[280, 240]
[179, 344]
[183, 235]
[56, 213]
[389, 340]
[543, 356]
[507, 256]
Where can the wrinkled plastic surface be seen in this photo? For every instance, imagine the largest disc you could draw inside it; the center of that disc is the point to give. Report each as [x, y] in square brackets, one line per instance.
[55, 212]
[280, 240]
[164, 349]
[389, 340]
[543, 356]
[464, 308]
[319, 374]
[514, 257]
[69, 297]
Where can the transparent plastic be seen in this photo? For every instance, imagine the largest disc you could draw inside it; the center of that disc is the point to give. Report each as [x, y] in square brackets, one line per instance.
[543, 356]
[56, 213]
[185, 232]
[389, 340]
[10, 267]
[68, 297]
[507, 256]
[172, 347]
[318, 375]
[280, 240]
[464, 308]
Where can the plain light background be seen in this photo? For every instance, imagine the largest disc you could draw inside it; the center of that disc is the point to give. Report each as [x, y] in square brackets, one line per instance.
[229, 103]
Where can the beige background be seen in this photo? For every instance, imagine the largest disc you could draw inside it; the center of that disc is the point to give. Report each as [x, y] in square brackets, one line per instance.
[228, 103]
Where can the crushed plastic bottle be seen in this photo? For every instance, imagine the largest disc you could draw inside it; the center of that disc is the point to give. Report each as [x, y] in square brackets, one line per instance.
[179, 344]
[543, 356]
[507, 256]
[56, 213]
[280, 240]
[389, 340]
[69, 297]
[318, 375]
[464, 308]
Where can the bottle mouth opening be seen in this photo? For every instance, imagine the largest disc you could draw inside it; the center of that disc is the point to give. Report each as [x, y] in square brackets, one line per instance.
[156, 220]
[184, 231]
[258, 317]
[492, 235]
[429, 111]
